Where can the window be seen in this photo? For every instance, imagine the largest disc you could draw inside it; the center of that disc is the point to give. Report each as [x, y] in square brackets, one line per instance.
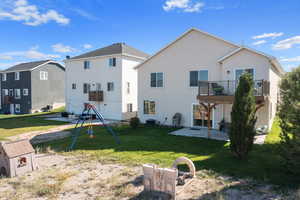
[86, 64]
[25, 92]
[110, 86]
[129, 107]
[86, 88]
[43, 75]
[4, 77]
[196, 76]
[5, 92]
[17, 108]
[149, 107]
[240, 72]
[17, 76]
[128, 88]
[17, 93]
[157, 79]
[22, 162]
[112, 62]
[11, 92]
[98, 86]
[73, 86]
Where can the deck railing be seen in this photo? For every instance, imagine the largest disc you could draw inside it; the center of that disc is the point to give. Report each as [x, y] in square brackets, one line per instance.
[228, 88]
[96, 96]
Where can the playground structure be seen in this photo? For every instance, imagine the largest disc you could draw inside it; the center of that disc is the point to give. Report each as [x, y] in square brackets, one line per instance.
[87, 116]
[166, 183]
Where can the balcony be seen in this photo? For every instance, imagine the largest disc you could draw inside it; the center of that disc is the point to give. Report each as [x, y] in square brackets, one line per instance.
[96, 96]
[7, 99]
[222, 92]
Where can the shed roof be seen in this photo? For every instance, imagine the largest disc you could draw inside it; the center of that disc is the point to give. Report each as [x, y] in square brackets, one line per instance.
[17, 148]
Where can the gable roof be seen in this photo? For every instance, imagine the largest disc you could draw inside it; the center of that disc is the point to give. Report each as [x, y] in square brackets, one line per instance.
[182, 36]
[30, 66]
[272, 59]
[117, 48]
[17, 148]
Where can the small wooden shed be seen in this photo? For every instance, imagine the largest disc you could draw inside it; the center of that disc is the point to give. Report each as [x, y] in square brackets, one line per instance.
[16, 158]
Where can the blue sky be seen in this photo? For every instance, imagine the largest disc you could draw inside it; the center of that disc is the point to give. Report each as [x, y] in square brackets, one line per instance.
[42, 29]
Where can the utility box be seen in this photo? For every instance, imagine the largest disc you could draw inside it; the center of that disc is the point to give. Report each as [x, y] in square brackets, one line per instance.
[16, 158]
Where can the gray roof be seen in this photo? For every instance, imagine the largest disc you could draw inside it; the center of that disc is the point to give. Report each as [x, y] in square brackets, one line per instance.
[26, 66]
[117, 48]
[17, 148]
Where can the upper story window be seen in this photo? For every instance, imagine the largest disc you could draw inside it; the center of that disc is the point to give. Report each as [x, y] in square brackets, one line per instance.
[86, 88]
[157, 79]
[43, 75]
[128, 88]
[11, 92]
[73, 86]
[17, 93]
[4, 77]
[110, 86]
[196, 76]
[86, 64]
[240, 72]
[17, 76]
[25, 92]
[98, 86]
[112, 62]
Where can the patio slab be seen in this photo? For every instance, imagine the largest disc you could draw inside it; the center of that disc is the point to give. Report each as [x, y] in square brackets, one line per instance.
[202, 133]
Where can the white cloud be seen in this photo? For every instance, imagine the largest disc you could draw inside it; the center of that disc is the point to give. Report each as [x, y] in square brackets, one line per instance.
[30, 14]
[87, 46]
[293, 59]
[32, 53]
[268, 35]
[259, 42]
[85, 14]
[61, 48]
[184, 5]
[287, 43]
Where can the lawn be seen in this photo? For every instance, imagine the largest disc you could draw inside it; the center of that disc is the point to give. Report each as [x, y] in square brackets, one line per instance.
[155, 145]
[11, 125]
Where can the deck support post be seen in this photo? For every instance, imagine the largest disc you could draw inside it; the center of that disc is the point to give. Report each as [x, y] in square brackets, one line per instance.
[208, 109]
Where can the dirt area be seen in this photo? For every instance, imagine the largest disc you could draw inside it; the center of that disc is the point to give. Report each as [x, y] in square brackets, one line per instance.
[81, 177]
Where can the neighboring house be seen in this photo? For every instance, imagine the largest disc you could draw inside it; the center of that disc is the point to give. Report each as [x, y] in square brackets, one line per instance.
[105, 78]
[29, 87]
[199, 63]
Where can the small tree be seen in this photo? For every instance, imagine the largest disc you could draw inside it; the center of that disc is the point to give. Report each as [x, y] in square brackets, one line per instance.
[243, 118]
[289, 113]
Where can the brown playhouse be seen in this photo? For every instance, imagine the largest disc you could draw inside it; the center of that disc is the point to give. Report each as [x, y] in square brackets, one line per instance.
[16, 158]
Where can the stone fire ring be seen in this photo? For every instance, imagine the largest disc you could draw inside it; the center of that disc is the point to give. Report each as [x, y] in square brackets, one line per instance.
[188, 162]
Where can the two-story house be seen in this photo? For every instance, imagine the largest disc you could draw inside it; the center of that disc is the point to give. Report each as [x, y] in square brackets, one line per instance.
[199, 69]
[105, 78]
[30, 87]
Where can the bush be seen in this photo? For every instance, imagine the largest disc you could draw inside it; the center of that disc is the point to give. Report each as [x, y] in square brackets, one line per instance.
[134, 122]
[289, 113]
[243, 119]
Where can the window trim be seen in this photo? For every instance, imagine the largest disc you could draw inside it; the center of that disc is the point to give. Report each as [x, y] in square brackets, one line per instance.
[15, 92]
[149, 102]
[245, 68]
[88, 88]
[85, 67]
[43, 75]
[19, 110]
[198, 77]
[156, 80]
[5, 92]
[113, 87]
[17, 77]
[74, 88]
[129, 107]
[25, 94]
[4, 77]
[112, 62]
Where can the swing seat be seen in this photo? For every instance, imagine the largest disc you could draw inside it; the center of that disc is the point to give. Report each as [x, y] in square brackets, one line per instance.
[90, 132]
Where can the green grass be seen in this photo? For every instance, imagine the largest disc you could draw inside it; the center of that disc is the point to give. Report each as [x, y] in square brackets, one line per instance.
[155, 145]
[57, 110]
[274, 135]
[18, 124]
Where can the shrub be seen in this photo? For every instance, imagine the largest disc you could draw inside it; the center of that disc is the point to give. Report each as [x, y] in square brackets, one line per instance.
[134, 122]
[289, 113]
[242, 129]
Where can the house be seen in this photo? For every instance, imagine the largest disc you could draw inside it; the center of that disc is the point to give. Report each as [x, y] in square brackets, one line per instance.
[16, 158]
[30, 87]
[105, 78]
[198, 71]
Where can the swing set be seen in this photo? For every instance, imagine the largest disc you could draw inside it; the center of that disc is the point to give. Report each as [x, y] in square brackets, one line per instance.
[87, 117]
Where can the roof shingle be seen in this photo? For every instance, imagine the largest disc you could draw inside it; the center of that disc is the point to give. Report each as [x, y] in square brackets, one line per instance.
[26, 66]
[17, 148]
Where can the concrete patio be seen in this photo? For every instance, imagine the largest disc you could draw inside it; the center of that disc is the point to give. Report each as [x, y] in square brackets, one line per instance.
[202, 133]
